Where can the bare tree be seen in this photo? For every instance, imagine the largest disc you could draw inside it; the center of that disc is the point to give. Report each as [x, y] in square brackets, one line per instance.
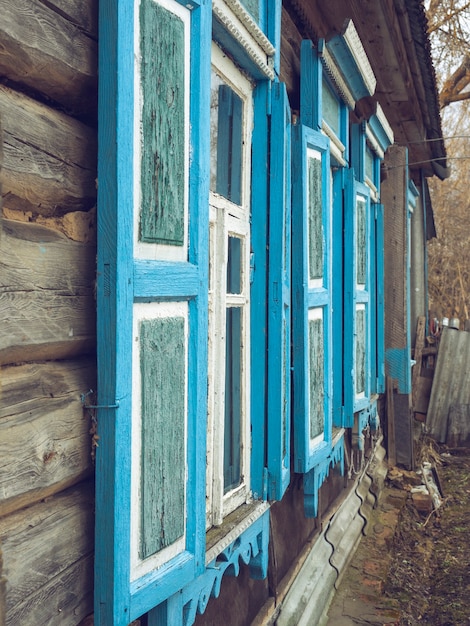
[449, 254]
[449, 25]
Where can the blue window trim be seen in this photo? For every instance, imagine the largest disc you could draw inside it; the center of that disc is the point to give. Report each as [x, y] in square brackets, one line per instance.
[258, 317]
[279, 295]
[251, 548]
[120, 283]
[307, 455]
[353, 297]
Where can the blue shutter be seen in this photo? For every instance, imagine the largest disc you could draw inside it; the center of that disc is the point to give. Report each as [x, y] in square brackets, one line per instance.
[279, 295]
[152, 303]
[312, 293]
[357, 342]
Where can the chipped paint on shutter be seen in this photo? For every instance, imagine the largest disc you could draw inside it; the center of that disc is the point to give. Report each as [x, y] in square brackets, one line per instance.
[360, 349]
[317, 374]
[163, 162]
[361, 240]
[163, 376]
[315, 221]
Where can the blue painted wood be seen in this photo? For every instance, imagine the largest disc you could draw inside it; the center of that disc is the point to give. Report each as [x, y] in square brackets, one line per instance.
[168, 612]
[114, 278]
[270, 22]
[346, 60]
[165, 280]
[310, 86]
[117, 599]
[308, 296]
[314, 479]
[258, 305]
[279, 295]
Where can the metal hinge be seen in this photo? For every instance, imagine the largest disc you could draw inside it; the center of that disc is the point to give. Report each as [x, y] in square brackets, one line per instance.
[90, 392]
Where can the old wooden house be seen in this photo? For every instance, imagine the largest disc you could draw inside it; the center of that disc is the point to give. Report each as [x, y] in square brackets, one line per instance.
[212, 260]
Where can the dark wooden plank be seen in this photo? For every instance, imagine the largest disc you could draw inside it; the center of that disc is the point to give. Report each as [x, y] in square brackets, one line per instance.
[49, 160]
[46, 52]
[46, 294]
[47, 560]
[391, 449]
[418, 357]
[82, 13]
[44, 399]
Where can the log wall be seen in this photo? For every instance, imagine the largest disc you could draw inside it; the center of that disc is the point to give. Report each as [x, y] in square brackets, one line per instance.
[48, 139]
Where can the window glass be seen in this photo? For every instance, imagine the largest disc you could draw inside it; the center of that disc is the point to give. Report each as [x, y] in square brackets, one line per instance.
[330, 108]
[226, 140]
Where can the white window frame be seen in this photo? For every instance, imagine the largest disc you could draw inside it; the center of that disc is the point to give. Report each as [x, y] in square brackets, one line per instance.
[229, 219]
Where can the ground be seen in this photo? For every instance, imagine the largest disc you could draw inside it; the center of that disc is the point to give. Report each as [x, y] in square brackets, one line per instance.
[429, 572]
[412, 566]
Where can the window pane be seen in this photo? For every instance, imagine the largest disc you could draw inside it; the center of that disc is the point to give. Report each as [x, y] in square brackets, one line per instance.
[226, 140]
[232, 435]
[330, 106]
[369, 165]
[234, 265]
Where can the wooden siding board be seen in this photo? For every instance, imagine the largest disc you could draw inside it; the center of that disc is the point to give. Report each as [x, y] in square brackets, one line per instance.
[64, 599]
[49, 311]
[34, 37]
[49, 165]
[43, 398]
[42, 545]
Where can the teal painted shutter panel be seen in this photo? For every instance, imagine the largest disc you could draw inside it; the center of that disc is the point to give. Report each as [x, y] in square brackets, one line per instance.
[312, 296]
[163, 125]
[163, 368]
[279, 362]
[152, 302]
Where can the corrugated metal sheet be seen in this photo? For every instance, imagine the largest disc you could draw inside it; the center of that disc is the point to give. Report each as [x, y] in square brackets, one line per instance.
[451, 385]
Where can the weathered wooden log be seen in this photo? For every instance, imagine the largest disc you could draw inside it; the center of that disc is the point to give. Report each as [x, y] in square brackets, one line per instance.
[46, 294]
[49, 159]
[43, 49]
[82, 13]
[45, 399]
[47, 560]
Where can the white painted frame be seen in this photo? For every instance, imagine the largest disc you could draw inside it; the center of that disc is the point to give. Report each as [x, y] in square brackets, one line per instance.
[228, 219]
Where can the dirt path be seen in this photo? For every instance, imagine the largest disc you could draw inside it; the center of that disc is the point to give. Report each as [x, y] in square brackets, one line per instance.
[429, 573]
